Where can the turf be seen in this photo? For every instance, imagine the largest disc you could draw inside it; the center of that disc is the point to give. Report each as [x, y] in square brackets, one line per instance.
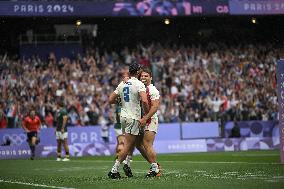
[253, 170]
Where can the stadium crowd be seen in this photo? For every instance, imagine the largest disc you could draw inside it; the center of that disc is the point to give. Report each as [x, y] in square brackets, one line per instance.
[196, 83]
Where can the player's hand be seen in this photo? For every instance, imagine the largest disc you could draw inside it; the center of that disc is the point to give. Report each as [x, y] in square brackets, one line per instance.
[62, 131]
[27, 131]
[143, 122]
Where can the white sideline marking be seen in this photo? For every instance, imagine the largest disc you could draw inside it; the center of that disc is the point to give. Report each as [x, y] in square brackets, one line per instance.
[32, 184]
[195, 162]
[255, 155]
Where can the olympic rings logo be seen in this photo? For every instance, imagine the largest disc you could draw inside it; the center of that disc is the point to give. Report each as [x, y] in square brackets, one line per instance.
[16, 139]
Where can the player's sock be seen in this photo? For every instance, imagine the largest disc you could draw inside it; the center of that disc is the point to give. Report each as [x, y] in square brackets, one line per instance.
[67, 155]
[155, 167]
[33, 150]
[115, 167]
[127, 160]
[58, 154]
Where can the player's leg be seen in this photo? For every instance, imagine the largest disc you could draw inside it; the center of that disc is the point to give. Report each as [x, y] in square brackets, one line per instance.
[142, 150]
[126, 162]
[66, 147]
[140, 147]
[119, 147]
[59, 144]
[120, 144]
[129, 142]
[131, 129]
[129, 155]
[148, 141]
[32, 143]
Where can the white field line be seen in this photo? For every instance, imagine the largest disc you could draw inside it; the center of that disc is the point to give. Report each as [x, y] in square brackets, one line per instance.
[255, 155]
[32, 184]
[166, 161]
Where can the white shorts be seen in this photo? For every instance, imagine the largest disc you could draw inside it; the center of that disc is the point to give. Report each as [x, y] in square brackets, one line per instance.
[118, 132]
[130, 126]
[61, 136]
[152, 125]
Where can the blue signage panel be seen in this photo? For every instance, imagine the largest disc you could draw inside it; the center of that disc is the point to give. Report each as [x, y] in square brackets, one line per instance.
[113, 8]
[256, 7]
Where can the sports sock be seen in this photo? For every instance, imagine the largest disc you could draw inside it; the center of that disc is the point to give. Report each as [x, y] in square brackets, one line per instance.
[115, 166]
[33, 150]
[154, 167]
[127, 160]
[67, 154]
[58, 154]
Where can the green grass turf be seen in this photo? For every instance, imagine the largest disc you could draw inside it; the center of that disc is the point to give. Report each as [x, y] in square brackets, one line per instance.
[248, 170]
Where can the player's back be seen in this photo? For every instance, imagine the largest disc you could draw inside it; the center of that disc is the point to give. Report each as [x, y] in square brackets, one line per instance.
[130, 98]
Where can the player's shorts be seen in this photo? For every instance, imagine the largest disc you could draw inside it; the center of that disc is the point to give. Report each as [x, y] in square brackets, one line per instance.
[118, 129]
[31, 134]
[152, 125]
[130, 126]
[61, 136]
[118, 132]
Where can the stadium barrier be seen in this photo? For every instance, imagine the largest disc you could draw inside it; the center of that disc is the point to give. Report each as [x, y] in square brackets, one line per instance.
[171, 138]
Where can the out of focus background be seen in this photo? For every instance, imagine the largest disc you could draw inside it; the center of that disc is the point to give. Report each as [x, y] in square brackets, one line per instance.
[213, 62]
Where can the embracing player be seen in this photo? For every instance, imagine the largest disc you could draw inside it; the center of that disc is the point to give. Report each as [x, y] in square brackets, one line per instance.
[151, 121]
[130, 93]
[117, 126]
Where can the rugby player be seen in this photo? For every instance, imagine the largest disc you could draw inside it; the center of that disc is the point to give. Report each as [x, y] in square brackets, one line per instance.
[151, 121]
[61, 131]
[31, 125]
[130, 93]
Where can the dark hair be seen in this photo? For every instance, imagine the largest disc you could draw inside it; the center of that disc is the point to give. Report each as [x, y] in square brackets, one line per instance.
[147, 70]
[134, 68]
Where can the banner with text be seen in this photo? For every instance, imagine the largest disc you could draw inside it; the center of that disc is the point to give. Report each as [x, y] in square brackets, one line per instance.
[256, 7]
[114, 8]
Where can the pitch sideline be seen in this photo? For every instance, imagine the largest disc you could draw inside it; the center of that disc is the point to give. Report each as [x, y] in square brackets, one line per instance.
[32, 184]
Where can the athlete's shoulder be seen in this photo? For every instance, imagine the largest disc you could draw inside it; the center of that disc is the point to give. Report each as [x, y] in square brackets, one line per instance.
[27, 118]
[153, 88]
[121, 83]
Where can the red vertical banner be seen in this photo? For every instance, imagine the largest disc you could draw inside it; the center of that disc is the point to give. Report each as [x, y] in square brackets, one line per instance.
[280, 95]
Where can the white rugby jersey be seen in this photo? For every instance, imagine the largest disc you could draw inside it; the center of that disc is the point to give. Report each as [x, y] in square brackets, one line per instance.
[152, 94]
[130, 99]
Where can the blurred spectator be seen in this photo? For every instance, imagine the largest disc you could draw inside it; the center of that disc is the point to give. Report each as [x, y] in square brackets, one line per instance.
[49, 120]
[197, 82]
[3, 120]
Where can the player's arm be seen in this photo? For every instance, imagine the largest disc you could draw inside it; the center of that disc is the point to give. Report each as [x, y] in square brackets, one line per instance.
[154, 108]
[155, 102]
[112, 98]
[64, 123]
[144, 101]
[39, 125]
[24, 125]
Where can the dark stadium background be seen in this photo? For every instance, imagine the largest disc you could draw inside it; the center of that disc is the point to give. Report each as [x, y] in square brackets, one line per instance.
[125, 31]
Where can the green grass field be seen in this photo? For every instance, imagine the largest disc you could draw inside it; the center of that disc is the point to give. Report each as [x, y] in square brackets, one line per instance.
[240, 170]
